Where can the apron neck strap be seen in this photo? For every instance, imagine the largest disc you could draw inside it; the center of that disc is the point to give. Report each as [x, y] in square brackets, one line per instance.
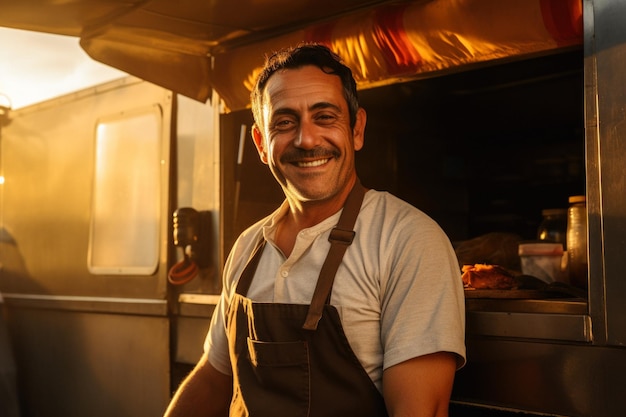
[340, 238]
[248, 272]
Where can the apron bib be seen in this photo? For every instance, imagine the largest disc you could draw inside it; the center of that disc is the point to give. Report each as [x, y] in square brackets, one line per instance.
[294, 360]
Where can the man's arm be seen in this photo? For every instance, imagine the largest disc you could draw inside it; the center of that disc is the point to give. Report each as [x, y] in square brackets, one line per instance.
[420, 387]
[205, 392]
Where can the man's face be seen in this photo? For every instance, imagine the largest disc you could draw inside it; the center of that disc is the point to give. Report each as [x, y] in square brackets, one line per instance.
[306, 137]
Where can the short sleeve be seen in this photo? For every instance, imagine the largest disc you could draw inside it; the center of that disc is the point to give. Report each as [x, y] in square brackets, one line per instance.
[422, 304]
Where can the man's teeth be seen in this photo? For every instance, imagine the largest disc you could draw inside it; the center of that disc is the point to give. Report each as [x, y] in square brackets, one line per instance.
[315, 163]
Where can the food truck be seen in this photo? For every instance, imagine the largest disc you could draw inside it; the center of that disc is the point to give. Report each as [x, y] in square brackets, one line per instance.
[119, 203]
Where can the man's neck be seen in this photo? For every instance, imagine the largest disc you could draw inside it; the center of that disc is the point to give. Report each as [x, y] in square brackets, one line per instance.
[295, 221]
[302, 215]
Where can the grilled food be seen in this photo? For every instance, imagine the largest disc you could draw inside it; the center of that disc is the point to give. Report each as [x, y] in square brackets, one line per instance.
[485, 276]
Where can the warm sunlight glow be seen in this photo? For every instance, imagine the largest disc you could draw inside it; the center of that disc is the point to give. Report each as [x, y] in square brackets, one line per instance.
[37, 66]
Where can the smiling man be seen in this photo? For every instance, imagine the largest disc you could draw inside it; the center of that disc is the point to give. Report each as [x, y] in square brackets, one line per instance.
[343, 302]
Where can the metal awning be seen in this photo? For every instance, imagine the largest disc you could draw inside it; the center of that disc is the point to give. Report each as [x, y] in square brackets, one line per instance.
[193, 47]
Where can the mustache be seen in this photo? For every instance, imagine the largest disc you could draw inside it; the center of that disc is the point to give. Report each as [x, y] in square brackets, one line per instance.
[295, 154]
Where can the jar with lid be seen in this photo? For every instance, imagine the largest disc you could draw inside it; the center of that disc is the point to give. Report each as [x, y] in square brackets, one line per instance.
[577, 240]
[553, 226]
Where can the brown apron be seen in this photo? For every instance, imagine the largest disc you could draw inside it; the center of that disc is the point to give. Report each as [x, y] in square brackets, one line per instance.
[294, 360]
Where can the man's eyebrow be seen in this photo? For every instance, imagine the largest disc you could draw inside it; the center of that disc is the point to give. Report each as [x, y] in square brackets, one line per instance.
[292, 112]
[284, 110]
[325, 105]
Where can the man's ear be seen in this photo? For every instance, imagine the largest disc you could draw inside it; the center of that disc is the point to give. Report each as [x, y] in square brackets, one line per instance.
[358, 133]
[259, 143]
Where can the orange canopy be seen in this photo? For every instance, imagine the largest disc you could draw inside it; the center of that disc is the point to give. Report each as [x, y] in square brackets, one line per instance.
[193, 47]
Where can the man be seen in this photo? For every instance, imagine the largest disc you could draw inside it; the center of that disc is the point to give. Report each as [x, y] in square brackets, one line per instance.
[315, 319]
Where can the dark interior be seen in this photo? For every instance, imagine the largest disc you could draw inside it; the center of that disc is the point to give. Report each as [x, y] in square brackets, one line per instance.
[483, 150]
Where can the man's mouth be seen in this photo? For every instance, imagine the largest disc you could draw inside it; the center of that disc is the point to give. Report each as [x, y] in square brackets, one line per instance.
[311, 164]
[311, 158]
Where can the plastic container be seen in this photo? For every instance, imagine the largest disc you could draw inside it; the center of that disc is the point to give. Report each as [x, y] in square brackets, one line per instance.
[577, 241]
[543, 260]
[553, 226]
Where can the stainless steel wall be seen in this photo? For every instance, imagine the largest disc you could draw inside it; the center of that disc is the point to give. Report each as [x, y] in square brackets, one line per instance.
[85, 344]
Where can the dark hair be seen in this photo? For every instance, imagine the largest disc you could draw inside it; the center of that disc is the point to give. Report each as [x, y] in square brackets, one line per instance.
[300, 56]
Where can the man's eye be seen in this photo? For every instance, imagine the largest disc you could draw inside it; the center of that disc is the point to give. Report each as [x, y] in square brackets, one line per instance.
[325, 118]
[283, 124]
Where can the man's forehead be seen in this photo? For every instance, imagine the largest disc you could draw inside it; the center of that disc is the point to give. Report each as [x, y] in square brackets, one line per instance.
[304, 84]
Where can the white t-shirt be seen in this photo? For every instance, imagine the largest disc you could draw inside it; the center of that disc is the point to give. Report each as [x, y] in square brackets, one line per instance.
[398, 290]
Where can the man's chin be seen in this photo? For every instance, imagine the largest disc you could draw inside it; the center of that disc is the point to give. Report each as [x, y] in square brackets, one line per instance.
[310, 194]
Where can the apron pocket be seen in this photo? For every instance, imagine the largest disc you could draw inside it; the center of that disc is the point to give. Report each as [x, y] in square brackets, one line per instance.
[282, 369]
[278, 353]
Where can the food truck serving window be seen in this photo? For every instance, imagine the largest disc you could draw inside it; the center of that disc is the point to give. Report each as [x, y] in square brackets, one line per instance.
[124, 233]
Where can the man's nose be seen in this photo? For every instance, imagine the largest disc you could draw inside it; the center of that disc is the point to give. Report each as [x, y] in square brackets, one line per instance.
[307, 137]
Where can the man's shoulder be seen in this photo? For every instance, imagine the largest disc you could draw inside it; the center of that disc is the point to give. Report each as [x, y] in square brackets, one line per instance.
[383, 202]
[389, 214]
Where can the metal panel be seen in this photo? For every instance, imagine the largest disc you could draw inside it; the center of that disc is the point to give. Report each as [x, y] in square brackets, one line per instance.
[197, 185]
[190, 335]
[561, 379]
[85, 345]
[48, 152]
[77, 364]
[567, 327]
[609, 43]
[149, 307]
[192, 324]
